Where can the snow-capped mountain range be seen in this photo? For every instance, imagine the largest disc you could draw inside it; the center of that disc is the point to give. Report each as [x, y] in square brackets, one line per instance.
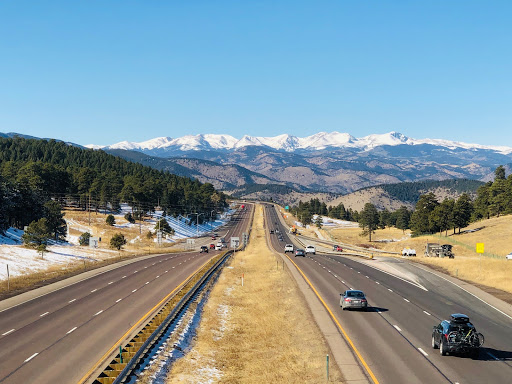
[287, 143]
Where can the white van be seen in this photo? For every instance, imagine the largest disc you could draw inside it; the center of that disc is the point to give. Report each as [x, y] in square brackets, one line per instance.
[288, 248]
[311, 249]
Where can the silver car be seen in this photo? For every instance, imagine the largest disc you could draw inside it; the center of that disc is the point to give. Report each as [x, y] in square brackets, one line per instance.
[353, 299]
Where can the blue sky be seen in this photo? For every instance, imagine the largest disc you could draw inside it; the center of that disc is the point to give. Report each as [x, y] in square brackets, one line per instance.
[105, 71]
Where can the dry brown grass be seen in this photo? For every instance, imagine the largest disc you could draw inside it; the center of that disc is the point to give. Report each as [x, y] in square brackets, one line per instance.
[259, 333]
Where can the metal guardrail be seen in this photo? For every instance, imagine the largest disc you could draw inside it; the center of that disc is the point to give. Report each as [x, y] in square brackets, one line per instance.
[116, 372]
[125, 373]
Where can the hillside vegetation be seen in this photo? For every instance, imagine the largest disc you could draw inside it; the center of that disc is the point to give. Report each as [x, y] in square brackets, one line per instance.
[35, 171]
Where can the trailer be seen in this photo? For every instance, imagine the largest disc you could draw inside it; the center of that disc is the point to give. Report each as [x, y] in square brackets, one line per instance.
[437, 250]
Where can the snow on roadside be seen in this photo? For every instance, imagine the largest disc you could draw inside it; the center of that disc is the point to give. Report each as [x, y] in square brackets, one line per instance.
[22, 260]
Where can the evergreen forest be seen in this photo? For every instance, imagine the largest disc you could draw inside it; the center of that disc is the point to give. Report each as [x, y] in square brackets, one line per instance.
[33, 172]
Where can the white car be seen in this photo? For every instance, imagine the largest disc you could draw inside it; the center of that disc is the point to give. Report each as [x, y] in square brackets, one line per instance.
[509, 256]
[310, 249]
[288, 248]
[218, 246]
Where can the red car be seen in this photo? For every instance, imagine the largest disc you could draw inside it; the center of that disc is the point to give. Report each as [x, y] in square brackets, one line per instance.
[337, 248]
[212, 246]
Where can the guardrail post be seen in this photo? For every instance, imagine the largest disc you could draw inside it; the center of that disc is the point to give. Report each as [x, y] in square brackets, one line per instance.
[121, 354]
[327, 366]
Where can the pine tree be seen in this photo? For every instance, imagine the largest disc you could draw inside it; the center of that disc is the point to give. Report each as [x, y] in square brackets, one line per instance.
[55, 219]
[110, 220]
[117, 241]
[462, 212]
[369, 220]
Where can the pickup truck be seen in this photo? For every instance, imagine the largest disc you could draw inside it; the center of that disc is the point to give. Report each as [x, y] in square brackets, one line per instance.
[311, 249]
[288, 248]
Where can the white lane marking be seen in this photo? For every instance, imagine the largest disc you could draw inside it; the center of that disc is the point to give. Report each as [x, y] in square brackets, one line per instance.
[397, 328]
[465, 290]
[145, 267]
[358, 272]
[422, 351]
[135, 271]
[70, 301]
[367, 277]
[390, 290]
[426, 313]
[134, 290]
[94, 290]
[395, 276]
[377, 282]
[157, 277]
[172, 267]
[118, 300]
[43, 314]
[351, 268]
[166, 271]
[147, 282]
[335, 275]
[97, 313]
[406, 300]
[342, 281]
[110, 283]
[71, 330]
[6, 333]
[123, 277]
[31, 357]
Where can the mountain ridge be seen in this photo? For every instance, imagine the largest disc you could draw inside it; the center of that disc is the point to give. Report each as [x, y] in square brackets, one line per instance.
[288, 143]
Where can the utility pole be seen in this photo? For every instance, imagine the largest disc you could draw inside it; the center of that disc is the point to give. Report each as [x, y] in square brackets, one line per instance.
[89, 209]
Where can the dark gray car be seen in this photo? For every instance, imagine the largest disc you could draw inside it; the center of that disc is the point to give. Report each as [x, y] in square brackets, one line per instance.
[353, 299]
[300, 252]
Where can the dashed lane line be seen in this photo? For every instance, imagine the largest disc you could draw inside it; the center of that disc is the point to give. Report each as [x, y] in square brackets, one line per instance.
[31, 357]
[43, 314]
[71, 330]
[97, 313]
[397, 328]
[70, 301]
[422, 351]
[94, 290]
[426, 313]
[347, 338]
[6, 333]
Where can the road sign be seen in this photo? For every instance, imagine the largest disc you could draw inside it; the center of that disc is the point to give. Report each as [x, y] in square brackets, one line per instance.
[235, 241]
[159, 237]
[479, 247]
[245, 238]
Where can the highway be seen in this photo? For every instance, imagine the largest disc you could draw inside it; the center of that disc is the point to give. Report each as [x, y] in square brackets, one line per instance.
[394, 336]
[61, 336]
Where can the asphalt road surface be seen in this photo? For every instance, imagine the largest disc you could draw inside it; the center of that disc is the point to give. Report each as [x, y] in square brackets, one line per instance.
[394, 336]
[59, 337]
